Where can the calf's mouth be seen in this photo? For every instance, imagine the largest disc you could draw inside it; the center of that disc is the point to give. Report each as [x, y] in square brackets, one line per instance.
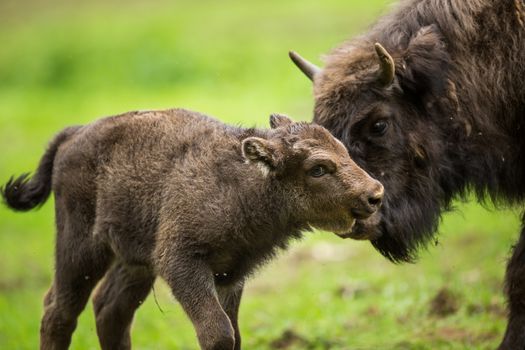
[364, 228]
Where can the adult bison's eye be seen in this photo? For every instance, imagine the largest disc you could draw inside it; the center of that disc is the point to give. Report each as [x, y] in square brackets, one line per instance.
[317, 171]
[379, 128]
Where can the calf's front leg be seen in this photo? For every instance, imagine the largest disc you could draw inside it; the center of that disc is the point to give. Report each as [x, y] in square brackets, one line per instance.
[230, 299]
[192, 284]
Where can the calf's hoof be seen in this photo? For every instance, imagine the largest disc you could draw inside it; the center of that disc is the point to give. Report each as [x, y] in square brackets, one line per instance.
[222, 343]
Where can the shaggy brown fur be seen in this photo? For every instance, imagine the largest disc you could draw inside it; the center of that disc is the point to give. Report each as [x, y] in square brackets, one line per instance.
[451, 120]
[180, 195]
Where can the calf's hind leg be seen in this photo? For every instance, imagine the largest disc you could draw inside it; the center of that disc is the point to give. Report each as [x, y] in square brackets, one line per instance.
[79, 266]
[123, 290]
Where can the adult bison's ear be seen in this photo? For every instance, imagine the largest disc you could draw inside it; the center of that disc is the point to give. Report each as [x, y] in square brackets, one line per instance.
[278, 120]
[261, 152]
[426, 62]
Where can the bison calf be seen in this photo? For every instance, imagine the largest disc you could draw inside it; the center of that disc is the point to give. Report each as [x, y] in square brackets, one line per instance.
[183, 196]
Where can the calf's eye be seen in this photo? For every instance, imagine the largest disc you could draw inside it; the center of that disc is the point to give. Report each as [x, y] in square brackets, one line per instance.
[317, 171]
[379, 128]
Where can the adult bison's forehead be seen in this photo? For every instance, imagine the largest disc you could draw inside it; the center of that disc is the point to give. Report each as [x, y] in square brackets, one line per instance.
[348, 85]
[347, 65]
[356, 64]
[347, 102]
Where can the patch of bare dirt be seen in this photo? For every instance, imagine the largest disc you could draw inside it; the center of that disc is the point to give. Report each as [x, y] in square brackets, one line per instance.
[11, 285]
[15, 284]
[352, 290]
[288, 339]
[495, 307]
[373, 311]
[461, 335]
[291, 339]
[444, 303]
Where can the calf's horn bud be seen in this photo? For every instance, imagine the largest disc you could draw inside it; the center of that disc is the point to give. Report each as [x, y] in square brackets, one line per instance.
[387, 68]
[308, 68]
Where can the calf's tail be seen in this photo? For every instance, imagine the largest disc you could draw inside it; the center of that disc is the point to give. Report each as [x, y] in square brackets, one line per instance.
[24, 192]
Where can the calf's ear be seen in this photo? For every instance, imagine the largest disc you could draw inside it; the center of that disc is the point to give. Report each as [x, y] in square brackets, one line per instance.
[260, 151]
[278, 120]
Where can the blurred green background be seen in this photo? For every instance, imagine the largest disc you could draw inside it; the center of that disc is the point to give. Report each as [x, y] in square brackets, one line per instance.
[71, 62]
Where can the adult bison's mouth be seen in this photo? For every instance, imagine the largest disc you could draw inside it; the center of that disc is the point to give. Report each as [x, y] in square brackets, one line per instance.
[365, 229]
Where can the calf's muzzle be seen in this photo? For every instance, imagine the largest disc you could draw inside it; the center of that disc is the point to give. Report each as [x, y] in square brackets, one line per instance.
[369, 201]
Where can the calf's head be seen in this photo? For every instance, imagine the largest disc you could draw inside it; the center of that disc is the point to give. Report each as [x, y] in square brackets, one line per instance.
[323, 186]
[395, 111]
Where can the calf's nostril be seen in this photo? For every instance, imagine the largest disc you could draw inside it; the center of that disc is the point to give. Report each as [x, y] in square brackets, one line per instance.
[376, 197]
[375, 201]
[369, 202]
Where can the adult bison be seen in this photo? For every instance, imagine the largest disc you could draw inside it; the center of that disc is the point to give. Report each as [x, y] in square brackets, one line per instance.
[431, 101]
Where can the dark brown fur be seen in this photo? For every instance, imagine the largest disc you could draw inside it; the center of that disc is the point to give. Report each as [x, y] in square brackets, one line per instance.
[455, 116]
[183, 196]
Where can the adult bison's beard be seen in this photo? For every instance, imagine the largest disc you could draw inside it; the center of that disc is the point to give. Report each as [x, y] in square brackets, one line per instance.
[405, 225]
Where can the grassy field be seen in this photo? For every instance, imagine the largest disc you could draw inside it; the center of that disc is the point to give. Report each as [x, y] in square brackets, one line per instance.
[64, 63]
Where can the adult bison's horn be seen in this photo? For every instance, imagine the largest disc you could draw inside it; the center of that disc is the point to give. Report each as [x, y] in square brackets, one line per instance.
[309, 69]
[387, 68]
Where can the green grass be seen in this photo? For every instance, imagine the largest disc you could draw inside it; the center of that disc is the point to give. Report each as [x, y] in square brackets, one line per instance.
[66, 63]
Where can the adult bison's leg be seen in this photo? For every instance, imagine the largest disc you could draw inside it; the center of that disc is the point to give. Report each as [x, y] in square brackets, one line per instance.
[192, 283]
[515, 290]
[230, 299]
[123, 290]
[80, 263]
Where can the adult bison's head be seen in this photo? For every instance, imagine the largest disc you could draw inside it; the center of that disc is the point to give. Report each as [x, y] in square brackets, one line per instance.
[388, 110]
